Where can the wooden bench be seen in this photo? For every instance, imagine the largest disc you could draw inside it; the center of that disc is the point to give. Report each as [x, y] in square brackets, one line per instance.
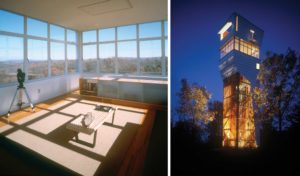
[99, 118]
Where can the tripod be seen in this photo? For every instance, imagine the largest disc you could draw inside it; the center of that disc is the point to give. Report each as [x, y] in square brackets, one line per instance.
[20, 89]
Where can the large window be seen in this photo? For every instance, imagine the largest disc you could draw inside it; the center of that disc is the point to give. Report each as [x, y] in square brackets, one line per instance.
[140, 49]
[166, 28]
[107, 35]
[71, 36]
[107, 57]
[127, 57]
[89, 36]
[11, 22]
[148, 30]
[11, 58]
[37, 28]
[127, 32]
[227, 48]
[37, 59]
[71, 58]
[249, 49]
[166, 55]
[240, 45]
[44, 48]
[57, 32]
[150, 54]
[57, 58]
[89, 58]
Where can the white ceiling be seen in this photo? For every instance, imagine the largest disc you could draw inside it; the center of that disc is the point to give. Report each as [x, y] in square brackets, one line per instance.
[90, 14]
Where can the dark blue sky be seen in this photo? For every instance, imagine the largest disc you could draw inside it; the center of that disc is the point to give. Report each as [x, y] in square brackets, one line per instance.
[195, 43]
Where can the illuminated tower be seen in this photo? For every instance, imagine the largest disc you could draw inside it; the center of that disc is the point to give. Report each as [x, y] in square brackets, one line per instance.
[240, 42]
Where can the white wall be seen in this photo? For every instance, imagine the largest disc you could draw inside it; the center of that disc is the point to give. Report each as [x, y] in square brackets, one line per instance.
[39, 90]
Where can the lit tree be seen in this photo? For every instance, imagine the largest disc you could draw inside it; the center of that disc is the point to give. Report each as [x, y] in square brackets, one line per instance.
[193, 108]
[184, 95]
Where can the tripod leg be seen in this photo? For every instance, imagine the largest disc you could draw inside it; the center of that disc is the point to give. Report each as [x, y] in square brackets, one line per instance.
[31, 104]
[8, 114]
[20, 99]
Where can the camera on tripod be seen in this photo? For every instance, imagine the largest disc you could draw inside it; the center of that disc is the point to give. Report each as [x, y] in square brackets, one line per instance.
[21, 88]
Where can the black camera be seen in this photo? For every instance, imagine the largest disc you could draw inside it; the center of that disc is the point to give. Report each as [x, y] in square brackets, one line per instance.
[21, 78]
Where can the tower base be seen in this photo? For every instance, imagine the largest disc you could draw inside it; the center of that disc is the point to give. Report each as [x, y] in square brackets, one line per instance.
[238, 116]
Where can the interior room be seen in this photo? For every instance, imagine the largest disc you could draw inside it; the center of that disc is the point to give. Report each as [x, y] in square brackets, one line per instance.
[84, 87]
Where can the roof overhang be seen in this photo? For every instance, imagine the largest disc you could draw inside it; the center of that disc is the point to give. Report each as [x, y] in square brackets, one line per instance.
[225, 27]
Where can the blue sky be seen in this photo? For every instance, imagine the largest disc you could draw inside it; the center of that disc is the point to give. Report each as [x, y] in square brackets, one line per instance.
[195, 43]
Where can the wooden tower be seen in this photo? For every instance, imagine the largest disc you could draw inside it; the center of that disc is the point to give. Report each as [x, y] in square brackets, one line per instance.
[239, 64]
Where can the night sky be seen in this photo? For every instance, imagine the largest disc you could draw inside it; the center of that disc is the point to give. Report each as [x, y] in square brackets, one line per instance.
[195, 42]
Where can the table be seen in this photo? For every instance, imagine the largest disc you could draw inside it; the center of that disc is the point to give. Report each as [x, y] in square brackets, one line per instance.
[99, 118]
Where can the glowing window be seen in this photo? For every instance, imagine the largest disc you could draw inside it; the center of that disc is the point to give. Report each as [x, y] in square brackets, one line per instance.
[257, 66]
[227, 48]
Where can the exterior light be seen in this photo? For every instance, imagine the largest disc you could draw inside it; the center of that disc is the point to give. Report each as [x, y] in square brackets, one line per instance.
[257, 66]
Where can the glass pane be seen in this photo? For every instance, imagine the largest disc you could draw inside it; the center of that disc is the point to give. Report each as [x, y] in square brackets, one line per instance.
[166, 48]
[71, 36]
[150, 30]
[71, 55]
[127, 57]
[71, 52]
[150, 52]
[166, 55]
[89, 58]
[107, 56]
[107, 50]
[57, 58]
[38, 59]
[11, 22]
[37, 28]
[11, 58]
[150, 48]
[89, 36]
[166, 28]
[57, 51]
[127, 49]
[57, 33]
[127, 32]
[107, 34]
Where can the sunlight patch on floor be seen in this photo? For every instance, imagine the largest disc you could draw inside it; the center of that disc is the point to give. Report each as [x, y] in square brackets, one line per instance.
[61, 155]
[77, 108]
[71, 99]
[51, 139]
[5, 128]
[106, 137]
[31, 117]
[59, 105]
[123, 117]
[119, 106]
[50, 123]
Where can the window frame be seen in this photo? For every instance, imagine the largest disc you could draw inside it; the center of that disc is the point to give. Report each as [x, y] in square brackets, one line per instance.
[26, 37]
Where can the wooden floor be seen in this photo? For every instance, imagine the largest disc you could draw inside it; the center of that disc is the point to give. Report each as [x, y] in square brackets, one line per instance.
[75, 94]
[133, 162]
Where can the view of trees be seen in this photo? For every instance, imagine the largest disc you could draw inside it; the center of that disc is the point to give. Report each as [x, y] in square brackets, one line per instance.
[193, 110]
[277, 98]
[151, 66]
[8, 71]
